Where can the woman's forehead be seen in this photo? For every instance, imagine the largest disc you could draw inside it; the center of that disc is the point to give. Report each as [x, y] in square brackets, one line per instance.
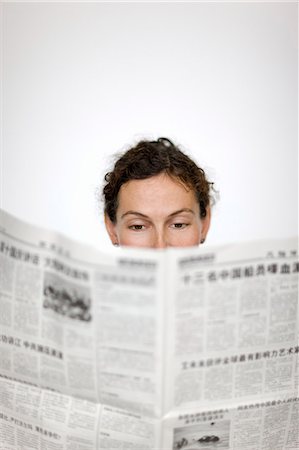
[160, 193]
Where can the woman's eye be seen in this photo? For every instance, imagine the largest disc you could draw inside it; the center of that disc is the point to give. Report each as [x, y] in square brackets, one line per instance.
[179, 225]
[136, 227]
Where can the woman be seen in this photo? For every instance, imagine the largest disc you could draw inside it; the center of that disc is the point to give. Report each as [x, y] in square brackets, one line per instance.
[156, 196]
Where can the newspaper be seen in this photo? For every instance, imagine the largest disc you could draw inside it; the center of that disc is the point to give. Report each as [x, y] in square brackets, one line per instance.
[193, 348]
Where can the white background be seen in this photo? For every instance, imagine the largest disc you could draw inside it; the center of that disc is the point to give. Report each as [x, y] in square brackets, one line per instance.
[82, 81]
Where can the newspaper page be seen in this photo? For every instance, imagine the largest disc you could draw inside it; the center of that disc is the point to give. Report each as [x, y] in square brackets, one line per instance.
[139, 349]
[80, 343]
[232, 348]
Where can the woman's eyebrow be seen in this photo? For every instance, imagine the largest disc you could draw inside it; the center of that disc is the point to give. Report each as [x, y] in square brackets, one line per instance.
[144, 216]
[188, 210]
[134, 213]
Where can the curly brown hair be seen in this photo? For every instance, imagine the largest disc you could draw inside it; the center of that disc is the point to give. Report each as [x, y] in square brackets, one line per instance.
[150, 158]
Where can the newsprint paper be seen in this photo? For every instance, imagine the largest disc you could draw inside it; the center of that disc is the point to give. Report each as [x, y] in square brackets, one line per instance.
[190, 349]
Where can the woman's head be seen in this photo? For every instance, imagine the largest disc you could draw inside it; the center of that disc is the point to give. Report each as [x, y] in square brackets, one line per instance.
[156, 196]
